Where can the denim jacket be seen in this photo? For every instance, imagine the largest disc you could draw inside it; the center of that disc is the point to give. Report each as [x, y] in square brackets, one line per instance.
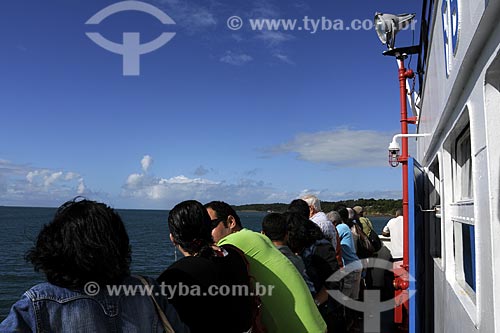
[48, 308]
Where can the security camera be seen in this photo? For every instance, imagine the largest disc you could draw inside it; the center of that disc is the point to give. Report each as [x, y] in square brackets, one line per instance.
[394, 148]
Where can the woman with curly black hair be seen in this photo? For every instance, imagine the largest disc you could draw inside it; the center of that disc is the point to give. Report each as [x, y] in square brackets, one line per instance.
[206, 284]
[83, 252]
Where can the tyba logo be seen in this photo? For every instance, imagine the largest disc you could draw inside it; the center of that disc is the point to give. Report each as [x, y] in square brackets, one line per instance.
[371, 306]
[131, 49]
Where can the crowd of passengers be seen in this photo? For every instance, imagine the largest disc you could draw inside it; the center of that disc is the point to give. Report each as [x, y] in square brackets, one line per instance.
[290, 271]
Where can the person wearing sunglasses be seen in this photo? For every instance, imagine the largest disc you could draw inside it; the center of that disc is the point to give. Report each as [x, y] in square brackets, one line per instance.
[287, 306]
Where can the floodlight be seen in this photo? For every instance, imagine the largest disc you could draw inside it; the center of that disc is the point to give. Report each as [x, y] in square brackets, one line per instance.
[388, 25]
[394, 153]
[394, 148]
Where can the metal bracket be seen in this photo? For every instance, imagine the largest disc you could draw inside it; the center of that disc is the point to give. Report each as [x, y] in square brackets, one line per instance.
[436, 210]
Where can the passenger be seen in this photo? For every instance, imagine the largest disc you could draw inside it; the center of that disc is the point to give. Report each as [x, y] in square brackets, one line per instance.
[367, 226]
[274, 226]
[287, 305]
[347, 215]
[299, 206]
[318, 217]
[302, 207]
[394, 229]
[306, 238]
[364, 221]
[82, 251]
[352, 215]
[351, 282]
[206, 273]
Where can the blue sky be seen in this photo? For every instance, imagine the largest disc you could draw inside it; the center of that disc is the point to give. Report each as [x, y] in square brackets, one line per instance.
[243, 116]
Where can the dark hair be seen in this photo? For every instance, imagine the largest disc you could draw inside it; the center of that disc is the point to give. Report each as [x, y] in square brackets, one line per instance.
[189, 224]
[86, 241]
[302, 232]
[299, 206]
[274, 226]
[223, 211]
[339, 206]
[344, 214]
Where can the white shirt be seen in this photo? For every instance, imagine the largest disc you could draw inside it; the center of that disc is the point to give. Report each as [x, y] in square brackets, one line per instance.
[395, 228]
[326, 227]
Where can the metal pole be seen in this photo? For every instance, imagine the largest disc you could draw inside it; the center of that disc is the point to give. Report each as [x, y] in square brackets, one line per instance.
[404, 156]
[401, 281]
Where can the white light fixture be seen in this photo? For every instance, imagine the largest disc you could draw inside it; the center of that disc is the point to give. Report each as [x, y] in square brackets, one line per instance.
[388, 25]
[394, 147]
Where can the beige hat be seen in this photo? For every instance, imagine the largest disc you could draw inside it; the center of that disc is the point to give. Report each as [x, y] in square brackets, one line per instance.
[351, 213]
[358, 209]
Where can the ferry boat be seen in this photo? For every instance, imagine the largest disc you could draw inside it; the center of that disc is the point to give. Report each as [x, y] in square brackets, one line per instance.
[453, 217]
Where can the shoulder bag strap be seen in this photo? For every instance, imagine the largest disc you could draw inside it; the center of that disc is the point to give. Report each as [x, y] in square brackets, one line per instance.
[164, 320]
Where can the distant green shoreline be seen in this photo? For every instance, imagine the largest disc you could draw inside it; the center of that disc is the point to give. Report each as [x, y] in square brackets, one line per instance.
[372, 207]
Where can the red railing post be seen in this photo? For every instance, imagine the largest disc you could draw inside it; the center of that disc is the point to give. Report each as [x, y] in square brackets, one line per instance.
[401, 281]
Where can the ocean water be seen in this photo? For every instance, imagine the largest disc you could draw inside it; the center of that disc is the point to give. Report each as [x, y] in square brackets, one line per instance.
[152, 250]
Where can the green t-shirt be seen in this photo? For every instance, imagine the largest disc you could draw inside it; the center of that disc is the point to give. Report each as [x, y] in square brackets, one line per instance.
[287, 305]
[367, 225]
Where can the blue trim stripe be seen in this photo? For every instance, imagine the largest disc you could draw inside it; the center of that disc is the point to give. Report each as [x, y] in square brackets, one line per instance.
[412, 314]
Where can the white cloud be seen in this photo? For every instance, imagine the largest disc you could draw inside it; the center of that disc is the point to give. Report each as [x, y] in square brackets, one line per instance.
[237, 37]
[189, 16]
[284, 58]
[342, 147]
[46, 177]
[81, 187]
[147, 190]
[264, 10]
[71, 176]
[26, 185]
[30, 177]
[274, 38]
[154, 188]
[164, 192]
[134, 180]
[301, 6]
[146, 162]
[203, 18]
[51, 178]
[184, 180]
[7, 167]
[235, 59]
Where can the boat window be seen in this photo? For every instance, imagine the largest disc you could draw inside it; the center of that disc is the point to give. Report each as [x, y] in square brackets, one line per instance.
[462, 209]
[464, 239]
[464, 170]
[434, 198]
[469, 258]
